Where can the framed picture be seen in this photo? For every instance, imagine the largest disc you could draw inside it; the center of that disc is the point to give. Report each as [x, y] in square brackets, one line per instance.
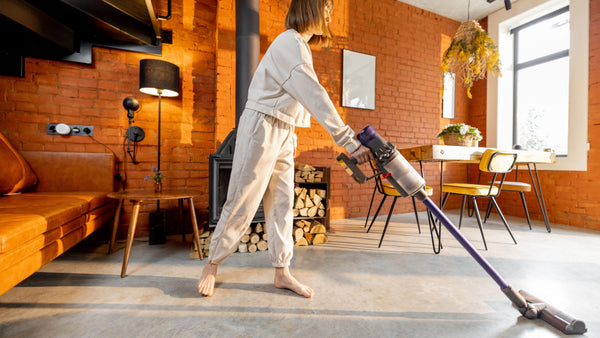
[448, 97]
[358, 86]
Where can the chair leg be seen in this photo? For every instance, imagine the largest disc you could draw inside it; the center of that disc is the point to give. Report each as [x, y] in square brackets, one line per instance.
[525, 207]
[487, 213]
[476, 209]
[370, 205]
[388, 220]
[444, 201]
[503, 219]
[377, 213]
[462, 209]
[416, 214]
[438, 233]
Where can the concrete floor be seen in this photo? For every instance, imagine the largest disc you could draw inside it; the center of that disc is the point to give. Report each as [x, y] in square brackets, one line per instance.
[399, 290]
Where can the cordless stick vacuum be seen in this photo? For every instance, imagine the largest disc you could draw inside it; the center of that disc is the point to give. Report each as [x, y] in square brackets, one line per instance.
[396, 169]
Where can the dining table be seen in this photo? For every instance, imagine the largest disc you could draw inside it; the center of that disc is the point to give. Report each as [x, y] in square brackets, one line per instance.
[463, 154]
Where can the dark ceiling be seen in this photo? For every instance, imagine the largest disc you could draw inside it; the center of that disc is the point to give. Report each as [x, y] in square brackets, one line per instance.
[66, 29]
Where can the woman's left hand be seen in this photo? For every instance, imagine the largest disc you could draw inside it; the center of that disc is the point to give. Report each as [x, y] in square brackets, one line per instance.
[362, 154]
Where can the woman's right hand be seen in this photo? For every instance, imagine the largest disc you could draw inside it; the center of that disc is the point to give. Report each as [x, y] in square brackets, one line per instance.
[362, 155]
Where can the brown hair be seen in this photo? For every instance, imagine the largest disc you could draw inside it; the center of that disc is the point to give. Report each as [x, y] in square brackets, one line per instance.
[304, 14]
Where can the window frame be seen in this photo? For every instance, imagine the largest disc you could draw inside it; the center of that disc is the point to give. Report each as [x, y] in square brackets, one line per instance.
[500, 101]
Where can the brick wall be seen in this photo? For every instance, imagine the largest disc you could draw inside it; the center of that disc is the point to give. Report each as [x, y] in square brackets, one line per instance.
[406, 41]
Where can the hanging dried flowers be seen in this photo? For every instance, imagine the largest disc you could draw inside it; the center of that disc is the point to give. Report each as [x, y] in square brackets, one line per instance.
[471, 55]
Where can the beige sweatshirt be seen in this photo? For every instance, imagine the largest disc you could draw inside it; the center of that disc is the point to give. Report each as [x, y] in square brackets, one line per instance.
[285, 86]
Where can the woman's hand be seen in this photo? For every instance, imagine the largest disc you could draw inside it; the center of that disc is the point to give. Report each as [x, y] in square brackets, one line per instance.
[362, 154]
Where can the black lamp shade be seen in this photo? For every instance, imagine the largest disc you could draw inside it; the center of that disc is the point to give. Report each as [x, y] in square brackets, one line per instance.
[159, 77]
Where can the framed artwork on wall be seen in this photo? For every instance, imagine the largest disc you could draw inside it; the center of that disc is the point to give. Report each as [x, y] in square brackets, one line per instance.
[448, 97]
[358, 86]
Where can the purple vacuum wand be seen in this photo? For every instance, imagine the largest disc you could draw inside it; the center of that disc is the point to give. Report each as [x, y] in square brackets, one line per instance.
[409, 183]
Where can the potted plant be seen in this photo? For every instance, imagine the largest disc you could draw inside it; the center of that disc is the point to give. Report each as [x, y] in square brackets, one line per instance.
[157, 176]
[471, 55]
[460, 134]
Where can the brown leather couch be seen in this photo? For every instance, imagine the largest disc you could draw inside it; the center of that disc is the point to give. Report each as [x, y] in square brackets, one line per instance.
[67, 204]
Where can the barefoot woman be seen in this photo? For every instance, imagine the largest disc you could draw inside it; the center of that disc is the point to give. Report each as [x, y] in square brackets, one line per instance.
[284, 93]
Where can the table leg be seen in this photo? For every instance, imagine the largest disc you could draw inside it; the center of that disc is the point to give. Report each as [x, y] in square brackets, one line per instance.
[130, 233]
[180, 202]
[195, 227]
[537, 187]
[113, 234]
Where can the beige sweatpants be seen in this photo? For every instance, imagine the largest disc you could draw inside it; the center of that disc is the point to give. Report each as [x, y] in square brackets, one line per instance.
[262, 169]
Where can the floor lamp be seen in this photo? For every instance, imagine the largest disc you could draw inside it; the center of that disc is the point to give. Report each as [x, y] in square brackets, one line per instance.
[159, 78]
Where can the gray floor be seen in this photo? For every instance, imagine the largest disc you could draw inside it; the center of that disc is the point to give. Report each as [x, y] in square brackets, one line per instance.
[399, 290]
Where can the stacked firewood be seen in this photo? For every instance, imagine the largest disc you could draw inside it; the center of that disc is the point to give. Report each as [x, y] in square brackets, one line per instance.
[255, 239]
[308, 174]
[204, 239]
[307, 232]
[310, 202]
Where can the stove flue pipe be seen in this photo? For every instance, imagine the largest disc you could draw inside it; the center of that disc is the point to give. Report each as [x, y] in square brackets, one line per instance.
[247, 50]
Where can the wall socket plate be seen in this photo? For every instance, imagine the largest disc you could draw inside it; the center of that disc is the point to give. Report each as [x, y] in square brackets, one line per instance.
[76, 130]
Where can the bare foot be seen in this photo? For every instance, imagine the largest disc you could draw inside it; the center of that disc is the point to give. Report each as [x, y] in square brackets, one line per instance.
[206, 285]
[284, 280]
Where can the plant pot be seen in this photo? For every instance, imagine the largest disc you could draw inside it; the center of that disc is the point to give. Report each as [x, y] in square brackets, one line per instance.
[451, 139]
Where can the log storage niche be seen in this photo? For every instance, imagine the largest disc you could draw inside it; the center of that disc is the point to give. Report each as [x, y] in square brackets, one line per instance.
[311, 210]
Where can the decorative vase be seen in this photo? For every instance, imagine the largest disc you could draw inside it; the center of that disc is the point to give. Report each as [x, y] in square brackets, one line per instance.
[451, 139]
[157, 186]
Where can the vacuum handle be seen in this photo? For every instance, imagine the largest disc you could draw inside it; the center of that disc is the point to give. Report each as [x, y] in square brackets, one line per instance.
[350, 165]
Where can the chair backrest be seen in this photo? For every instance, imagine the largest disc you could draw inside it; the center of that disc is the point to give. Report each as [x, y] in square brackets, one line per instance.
[498, 163]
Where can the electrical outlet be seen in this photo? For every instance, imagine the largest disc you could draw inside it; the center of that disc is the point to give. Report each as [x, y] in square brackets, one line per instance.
[75, 129]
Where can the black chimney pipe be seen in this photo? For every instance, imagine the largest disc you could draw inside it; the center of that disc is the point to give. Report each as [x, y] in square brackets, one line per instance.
[247, 50]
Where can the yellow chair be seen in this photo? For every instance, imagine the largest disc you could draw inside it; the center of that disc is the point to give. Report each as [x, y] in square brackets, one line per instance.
[492, 161]
[387, 189]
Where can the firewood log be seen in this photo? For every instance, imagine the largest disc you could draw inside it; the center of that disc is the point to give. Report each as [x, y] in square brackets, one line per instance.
[298, 233]
[312, 211]
[318, 228]
[308, 237]
[254, 238]
[262, 245]
[245, 239]
[252, 248]
[317, 199]
[299, 203]
[243, 248]
[319, 238]
[304, 212]
[301, 242]
[258, 228]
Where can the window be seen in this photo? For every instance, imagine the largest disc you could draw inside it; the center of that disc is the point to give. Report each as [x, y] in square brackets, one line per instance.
[541, 83]
[540, 101]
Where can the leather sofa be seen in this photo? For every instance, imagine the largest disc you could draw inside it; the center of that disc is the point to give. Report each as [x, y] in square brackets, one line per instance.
[66, 205]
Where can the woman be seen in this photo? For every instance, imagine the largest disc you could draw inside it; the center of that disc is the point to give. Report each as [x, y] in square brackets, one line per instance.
[282, 93]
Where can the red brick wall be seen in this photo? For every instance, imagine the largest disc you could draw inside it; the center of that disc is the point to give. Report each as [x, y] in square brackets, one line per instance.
[406, 41]
[407, 46]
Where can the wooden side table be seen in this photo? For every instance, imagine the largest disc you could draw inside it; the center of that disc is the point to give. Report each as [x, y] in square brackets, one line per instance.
[137, 197]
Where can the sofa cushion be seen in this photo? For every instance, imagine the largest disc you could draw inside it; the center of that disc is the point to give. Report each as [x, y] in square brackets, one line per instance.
[20, 223]
[16, 174]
